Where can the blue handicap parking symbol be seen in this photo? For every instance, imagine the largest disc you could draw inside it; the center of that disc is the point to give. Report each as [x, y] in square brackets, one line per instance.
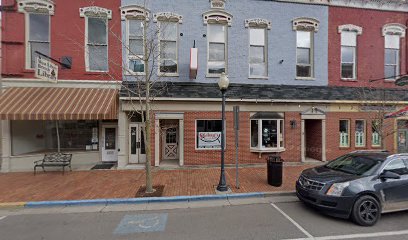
[141, 223]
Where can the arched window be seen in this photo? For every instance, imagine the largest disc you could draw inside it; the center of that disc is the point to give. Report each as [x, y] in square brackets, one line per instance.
[392, 33]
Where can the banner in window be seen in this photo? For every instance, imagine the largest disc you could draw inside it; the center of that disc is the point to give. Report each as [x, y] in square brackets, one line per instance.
[209, 140]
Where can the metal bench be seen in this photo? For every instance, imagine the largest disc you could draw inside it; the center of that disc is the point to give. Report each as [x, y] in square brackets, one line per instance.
[54, 160]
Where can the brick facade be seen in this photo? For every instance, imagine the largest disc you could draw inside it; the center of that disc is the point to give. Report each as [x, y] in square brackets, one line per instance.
[370, 45]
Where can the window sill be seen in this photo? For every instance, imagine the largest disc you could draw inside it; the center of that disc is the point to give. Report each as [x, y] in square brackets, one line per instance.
[349, 79]
[168, 75]
[389, 80]
[209, 149]
[267, 150]
[28, 71]
[96, 73]
[212, 75]
[25, 155]
[258, 77]
[134, 74]
[344, 147]
[305, 78]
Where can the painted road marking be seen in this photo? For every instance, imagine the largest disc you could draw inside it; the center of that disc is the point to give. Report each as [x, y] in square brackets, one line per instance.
[2, 217]
[141, 223]
[309, 236]
[358, 235]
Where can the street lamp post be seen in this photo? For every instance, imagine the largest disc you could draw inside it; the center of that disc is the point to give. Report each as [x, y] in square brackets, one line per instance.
[223, 83]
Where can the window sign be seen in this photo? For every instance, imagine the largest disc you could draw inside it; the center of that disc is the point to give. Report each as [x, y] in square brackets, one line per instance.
[208, 134]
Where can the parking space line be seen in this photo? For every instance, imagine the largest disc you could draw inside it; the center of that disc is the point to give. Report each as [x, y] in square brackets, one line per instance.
[358, 235]
[2, 217]
[293, 222]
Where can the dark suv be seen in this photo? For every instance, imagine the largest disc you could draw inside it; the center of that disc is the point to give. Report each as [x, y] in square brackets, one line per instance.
[360, 185]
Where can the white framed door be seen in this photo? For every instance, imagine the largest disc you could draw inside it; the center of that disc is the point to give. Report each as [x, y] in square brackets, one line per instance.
[170, 144]
[109, 144]
[137, 150]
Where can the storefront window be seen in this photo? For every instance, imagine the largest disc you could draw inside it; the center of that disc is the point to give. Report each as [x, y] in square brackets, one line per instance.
[28, 137]
[208, 134]
[267, 132]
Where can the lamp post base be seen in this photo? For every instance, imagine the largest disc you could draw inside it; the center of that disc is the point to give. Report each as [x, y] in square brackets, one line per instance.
[227, 191]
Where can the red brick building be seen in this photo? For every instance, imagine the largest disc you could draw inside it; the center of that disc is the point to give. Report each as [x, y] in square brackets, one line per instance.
[75, 111]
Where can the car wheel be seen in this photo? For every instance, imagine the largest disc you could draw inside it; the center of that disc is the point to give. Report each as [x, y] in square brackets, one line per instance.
[366, 211]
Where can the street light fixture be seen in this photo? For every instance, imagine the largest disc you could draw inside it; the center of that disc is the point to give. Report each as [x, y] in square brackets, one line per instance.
[223, 83]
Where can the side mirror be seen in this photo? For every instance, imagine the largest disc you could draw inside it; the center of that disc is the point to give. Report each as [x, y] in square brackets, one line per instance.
[389, 175]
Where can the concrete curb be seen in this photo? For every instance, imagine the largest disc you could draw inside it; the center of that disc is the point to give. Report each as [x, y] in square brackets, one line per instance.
[115, 201]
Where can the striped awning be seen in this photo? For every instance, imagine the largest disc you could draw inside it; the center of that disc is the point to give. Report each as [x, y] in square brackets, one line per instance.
[47, 103]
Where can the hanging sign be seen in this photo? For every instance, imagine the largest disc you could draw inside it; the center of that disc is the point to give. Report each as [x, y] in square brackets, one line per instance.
[209, 140]
[46, 70]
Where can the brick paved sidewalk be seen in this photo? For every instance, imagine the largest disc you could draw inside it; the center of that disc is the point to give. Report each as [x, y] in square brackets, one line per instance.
[20, 187]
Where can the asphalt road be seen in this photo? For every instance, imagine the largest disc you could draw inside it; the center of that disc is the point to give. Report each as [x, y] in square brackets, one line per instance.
[276, 220]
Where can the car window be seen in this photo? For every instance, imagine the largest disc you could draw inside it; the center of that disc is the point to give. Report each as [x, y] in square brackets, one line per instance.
[355, 164]
[397, 166]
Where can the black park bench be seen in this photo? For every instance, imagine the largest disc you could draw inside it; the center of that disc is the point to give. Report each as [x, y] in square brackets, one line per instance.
[54, 160]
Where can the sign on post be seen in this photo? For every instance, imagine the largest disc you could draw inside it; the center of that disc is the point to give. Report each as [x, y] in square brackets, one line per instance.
[46, 70]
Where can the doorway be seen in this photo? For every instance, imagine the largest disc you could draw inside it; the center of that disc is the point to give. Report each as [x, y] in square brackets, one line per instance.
[170, 142]
[109, 146]
[313, 140]
[137, 149]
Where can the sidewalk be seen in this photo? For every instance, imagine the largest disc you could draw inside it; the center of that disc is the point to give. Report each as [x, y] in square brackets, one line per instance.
[49, 186]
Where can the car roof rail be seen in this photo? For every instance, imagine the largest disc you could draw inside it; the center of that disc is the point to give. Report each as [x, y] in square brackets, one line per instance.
[399, 155]
[371, 151]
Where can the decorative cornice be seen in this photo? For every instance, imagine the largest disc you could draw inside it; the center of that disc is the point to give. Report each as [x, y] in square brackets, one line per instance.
[351, 28]
[258, 22]
[95, 11]
[167, 16]
[36, 6]
[385, 5]
[217, 16]
[217, 4]
[394, 29]
[134, 12]
[305, 24]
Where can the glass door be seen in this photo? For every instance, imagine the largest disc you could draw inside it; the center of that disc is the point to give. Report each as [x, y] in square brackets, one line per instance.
[137, 150]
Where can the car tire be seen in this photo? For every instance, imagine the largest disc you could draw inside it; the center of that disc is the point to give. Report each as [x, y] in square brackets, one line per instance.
[366, 211]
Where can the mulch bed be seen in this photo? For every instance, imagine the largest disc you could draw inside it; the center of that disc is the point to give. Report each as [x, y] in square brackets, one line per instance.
[159, 189]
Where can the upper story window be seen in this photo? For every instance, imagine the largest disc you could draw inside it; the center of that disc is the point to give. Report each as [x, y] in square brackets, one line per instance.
[217, 22]
[96, 38]
[136, 18]
[168, 42]
[349, 50]
[392, 34]
[305, 29]
[37, 14]
[258, 47]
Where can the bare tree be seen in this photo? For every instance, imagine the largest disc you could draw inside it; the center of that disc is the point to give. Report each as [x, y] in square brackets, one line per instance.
[378, 102]
[145, 70]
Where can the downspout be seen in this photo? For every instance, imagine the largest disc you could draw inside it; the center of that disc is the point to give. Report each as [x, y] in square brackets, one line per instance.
[406, 50]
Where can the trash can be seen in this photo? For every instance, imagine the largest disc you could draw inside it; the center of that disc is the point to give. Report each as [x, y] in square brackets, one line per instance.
[274, 169]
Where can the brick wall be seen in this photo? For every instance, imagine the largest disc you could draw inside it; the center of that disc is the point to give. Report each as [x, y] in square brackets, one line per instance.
[332, 133]
[370, 45]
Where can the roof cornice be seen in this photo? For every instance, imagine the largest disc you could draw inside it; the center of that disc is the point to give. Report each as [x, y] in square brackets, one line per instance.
[384, 5]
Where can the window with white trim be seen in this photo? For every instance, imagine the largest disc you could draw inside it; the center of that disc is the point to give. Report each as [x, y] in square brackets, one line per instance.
[348, 54]
[258, 52]
[375, 133]
[304, 54]
[305, 29]
[344, 133]
[267, 131]
[391, 57]
[217, 48]
[96, 44]
[208, 134]
[360, 133]
[96, 38]
[135, 46]
[168, 47]
[38, 24]
[392, 33]
[38, 36]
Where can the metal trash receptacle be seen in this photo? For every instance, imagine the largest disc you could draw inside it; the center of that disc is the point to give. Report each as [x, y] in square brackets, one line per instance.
[274, 170]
